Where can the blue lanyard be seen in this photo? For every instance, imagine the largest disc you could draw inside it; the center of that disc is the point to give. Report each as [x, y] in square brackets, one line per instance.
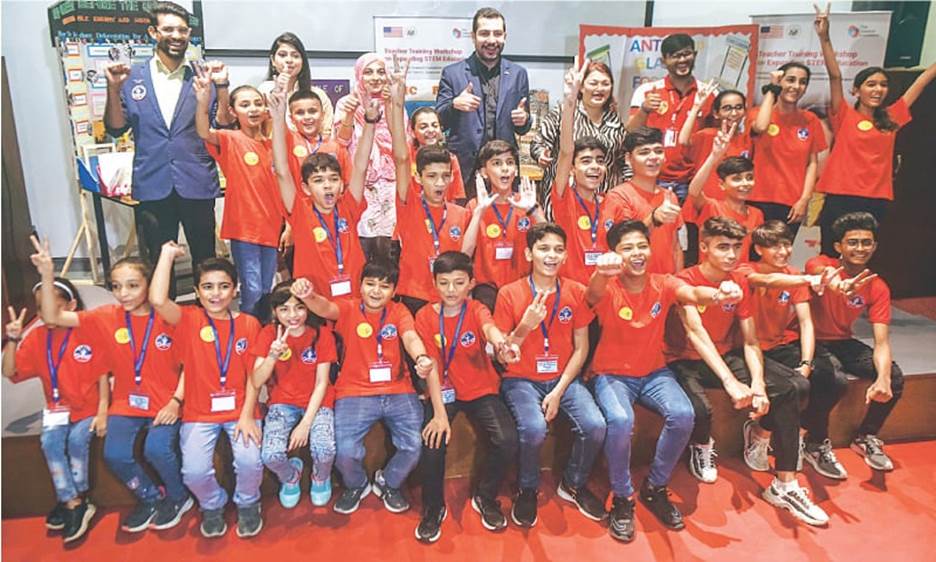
[54, 365]
[594, 222]
[334, 239]
[432, 225]
[544, 328]
[138, 359]
[383, 318]
[225, 363]
[504, 223]
[309, 147]
[448, 355]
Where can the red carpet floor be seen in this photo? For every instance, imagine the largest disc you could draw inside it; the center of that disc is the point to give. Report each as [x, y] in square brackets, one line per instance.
[874, 517]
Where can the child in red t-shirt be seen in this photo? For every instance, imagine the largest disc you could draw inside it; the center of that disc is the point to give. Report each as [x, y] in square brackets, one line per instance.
[74, 381]
[219, 396]
[427, 131]
[374, 385]
[293, 358]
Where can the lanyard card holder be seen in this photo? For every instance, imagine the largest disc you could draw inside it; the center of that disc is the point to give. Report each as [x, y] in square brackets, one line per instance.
[55, 416]
[138, 401]
[591, 257]
[547, 364]
[340, 285]
[503, 251]
[223, 401]
[380, 371]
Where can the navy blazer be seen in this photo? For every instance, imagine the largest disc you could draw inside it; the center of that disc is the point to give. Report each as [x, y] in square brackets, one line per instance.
[466, 129]
[165, 158]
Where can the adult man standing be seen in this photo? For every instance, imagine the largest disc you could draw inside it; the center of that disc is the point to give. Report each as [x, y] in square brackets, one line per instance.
[174, 178]
[483, 97]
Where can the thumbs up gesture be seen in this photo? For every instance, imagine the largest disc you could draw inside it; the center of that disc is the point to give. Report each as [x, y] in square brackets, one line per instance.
[519, 115]
[467, 101]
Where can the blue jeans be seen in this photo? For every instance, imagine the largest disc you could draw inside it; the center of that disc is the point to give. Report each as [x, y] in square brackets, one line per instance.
[355, 415]
[66, 451]
[278, 426]
[159, 449]
[524, 398]
[256, 266]
[658, 391]
[198, 472]
[681, 189]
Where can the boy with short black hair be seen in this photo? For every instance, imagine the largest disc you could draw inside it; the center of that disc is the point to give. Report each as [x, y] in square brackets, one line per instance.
[306, 113]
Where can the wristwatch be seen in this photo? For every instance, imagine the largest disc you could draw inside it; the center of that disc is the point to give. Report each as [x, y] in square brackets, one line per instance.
[805, 363]
[532, 209]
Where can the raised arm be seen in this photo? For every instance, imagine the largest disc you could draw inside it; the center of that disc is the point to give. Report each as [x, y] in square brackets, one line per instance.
[572, 87]
[397, 123]
[608, 266]
[263, 366]
[50, 313]
[484, 200]
[344, 117]
[915, 89]
[702, 94]
[762, 120]
[115, 118]
[363, 150]
[159, 286]
[719, 146]
[520, 115]
[836, 90]
[302, 290]
[218, 73]
[728, 292]
[13, 332]
[201, 83]
[284, 179]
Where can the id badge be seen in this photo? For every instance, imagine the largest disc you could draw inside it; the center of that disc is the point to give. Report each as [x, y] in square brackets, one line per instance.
[223, 401]
[669, 138]
[380, 371]
[591, 257]
[448, 395]
[138, 401]
[340, 286]
[503, 251]
[54, 417]
[547, 364]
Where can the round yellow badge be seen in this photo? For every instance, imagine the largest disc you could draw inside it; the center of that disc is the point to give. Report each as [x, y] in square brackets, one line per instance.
[251, 158]
[662, 108]
[300, 151]
[865, 125]
[773, 130]
[206, 334]
[286, 355]
[584, 222]
[438, 340]
[626, 313]
[493, 230]
[364, 330]
[700, 308]
[122, 335]
[319, 233]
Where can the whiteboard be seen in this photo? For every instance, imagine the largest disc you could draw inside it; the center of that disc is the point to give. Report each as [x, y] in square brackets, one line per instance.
[533, 28]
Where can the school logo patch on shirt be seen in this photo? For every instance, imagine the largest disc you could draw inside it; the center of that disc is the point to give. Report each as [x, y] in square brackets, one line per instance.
[240, 346]
[656, 309]
[309, 356]
[802, 133]
[523, 224]
[342, 225]
[856, 301]
[467, 339]
[745, 153]
[784, 297]
[389, 332]
[455, 233]
[138, 92]
[163, 342]
[565, 315]
[729, 307]
[608, 224]
[82, 353]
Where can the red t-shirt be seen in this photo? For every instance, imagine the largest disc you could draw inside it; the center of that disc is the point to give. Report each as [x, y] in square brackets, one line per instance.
[414, 231]
[750, 220]
[633, 325]
[862, 159]
[316, 258]
[160, 369]
[773, 309]
[78, 374]
[496, 241]
[300, 148]
[294, 374]
[471, 372]
[253, 210]
[197, 351]
[833, 314]
[700, 148]
[628, 201]
[718, 320]
[358, 331]
[455, 189]
[781, 155]
[577, 222]
[571, 313]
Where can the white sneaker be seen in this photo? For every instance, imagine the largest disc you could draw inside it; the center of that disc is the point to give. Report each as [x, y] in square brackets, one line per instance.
[755, 448]
[796, 500]
[702, 461]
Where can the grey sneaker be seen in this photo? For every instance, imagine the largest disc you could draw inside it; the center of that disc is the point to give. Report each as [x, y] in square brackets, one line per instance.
[393, 498]
[872, 449]
[249, 520]
[212, 523]
[823, 459]
[755, 448]
[702, 463]
[350, 499]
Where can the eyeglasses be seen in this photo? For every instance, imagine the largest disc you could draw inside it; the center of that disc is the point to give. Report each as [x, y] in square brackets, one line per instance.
[681, 55]
[739, 107]
[859, 243]
[167, 30]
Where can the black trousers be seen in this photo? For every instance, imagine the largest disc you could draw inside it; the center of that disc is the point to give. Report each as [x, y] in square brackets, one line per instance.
[857, 359]
[786, 390]
[777, 211]
[493, 421]
[838, 205]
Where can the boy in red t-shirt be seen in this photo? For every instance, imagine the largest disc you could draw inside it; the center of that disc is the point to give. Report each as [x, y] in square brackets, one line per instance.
[219, 396]
[375, 386]
[455, 330]
[546, 315]
[305, 111]
[855, 292]
[427, 131]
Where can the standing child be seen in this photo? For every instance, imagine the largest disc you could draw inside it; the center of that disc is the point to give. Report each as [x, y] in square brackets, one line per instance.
[427, 131]
[219, 396]
[293, 358]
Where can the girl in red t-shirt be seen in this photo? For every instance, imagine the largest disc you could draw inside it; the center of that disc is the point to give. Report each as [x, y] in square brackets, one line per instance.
[294, 355]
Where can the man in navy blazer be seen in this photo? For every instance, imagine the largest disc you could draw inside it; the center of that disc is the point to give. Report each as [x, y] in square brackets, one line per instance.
[483, 97]
[174, 178]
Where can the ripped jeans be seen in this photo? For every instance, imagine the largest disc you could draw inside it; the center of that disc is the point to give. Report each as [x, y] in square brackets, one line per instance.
[66, 451]
[278, 425]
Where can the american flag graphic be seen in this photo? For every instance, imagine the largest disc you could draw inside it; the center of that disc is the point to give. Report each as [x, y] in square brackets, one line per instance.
[771, 31]
[393, 32]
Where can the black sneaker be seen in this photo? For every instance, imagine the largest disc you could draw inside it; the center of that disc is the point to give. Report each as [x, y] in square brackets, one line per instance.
[589, 505]
[212, 523]
[621, 519]
[77, 521]
[55, 520]
[491, 515]
[139, 519]
[393, 498]
[350, 499]
[656, 498]
[169, 513]
[430, 527]
[524, 508]
[249, 520]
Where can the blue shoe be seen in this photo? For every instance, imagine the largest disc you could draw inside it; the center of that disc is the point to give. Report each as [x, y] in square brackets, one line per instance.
[290, 494]
[320, 492]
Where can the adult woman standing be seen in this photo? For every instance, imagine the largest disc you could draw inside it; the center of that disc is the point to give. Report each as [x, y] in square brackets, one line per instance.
[595, 116]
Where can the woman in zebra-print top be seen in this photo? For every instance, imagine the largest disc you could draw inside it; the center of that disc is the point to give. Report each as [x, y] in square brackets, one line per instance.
[596, 116]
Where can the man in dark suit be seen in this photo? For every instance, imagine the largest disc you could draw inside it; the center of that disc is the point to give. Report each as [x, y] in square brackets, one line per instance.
[483, 97]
